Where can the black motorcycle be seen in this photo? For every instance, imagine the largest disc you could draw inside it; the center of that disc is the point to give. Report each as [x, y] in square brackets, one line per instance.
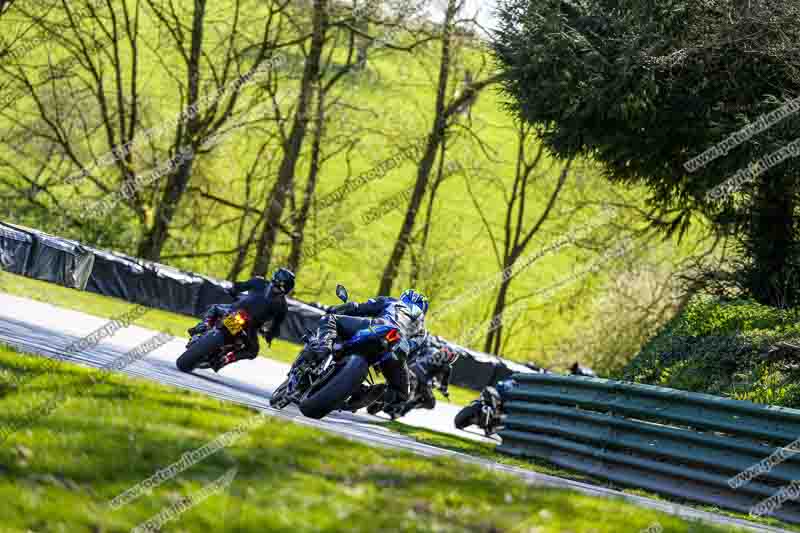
[319, 388]
[416, 401]
[227, 334]
[485, 412]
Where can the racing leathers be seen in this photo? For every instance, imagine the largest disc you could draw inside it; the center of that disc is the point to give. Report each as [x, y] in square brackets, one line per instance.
[347, 319]
[428, 362]
[267, 310]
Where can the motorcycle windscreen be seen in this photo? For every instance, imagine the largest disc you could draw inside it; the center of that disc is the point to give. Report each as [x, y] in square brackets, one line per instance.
[372, 331]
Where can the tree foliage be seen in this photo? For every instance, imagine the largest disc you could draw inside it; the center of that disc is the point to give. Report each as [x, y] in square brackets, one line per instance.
[645, 86]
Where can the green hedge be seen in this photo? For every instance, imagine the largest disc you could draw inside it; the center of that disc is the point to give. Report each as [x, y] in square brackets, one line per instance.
[729, 348]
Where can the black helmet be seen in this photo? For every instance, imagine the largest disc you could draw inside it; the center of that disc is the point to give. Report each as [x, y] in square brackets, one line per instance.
[283, 280]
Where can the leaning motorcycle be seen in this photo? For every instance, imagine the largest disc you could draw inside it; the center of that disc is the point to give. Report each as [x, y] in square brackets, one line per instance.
[321, 387]
[485, 412]
[228, 334]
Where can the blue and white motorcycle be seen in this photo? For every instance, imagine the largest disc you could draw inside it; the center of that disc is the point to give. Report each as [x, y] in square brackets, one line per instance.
[320, 388]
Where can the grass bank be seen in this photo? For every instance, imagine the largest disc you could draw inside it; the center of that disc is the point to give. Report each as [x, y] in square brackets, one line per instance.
[61, 470]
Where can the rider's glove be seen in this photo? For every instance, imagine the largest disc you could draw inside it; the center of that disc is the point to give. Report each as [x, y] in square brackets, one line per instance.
[319, 353]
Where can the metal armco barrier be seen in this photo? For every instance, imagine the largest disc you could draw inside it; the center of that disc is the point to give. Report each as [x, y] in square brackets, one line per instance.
[667, 441]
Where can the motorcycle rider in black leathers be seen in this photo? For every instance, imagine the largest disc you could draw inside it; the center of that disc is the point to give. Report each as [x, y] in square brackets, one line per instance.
[407, 314]
[266, 305]
[432, 359]
[429, 362]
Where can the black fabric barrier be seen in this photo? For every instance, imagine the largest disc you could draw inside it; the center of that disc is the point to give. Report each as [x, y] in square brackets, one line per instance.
[476, 370]
[171, 289]
[15, 249]
[147, 283]
[115, 275]
[65, 262]
[56, 260]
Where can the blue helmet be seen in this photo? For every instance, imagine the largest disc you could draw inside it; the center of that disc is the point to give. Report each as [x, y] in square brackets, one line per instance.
[413, 298]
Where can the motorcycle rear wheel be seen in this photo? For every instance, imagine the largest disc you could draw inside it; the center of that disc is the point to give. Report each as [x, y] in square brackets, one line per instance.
[201, 350]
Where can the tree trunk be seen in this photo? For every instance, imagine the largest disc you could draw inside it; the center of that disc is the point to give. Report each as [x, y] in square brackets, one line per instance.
[241, 256]
[419, 260]
[773, 280]
[494, 338]
[299, 226]
[285, 182]
[426, 164]
[154, 238]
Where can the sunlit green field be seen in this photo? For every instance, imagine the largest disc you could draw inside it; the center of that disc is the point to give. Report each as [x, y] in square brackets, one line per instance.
[60, 471]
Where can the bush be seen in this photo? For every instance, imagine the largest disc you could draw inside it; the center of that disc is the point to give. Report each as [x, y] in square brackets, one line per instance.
[736, 348]
[631, 308]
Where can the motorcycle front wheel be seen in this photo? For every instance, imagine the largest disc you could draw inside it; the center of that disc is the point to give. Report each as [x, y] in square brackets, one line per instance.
[201, 350]
[279, 398]
[468, 415]
[330, 392]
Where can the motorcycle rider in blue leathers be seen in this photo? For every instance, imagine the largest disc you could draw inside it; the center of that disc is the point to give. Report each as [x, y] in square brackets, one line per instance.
[406, 313]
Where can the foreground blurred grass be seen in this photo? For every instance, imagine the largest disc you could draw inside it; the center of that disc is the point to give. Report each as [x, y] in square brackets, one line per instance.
[163, 321]
[59, 473]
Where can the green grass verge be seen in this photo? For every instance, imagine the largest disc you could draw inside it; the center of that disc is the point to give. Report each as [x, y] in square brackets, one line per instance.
[60, 472]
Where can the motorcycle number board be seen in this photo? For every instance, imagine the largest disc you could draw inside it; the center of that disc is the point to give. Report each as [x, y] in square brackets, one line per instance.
[234, 324]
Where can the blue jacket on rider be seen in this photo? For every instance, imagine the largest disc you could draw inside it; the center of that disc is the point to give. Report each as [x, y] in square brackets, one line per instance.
[390, 311]
[347, 319]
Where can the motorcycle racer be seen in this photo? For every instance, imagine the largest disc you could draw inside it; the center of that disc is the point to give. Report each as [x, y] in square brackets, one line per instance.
[265, 303]
[406, 313]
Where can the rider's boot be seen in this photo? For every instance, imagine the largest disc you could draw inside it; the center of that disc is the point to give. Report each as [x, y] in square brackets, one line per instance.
[375, 407]
[394, 403]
